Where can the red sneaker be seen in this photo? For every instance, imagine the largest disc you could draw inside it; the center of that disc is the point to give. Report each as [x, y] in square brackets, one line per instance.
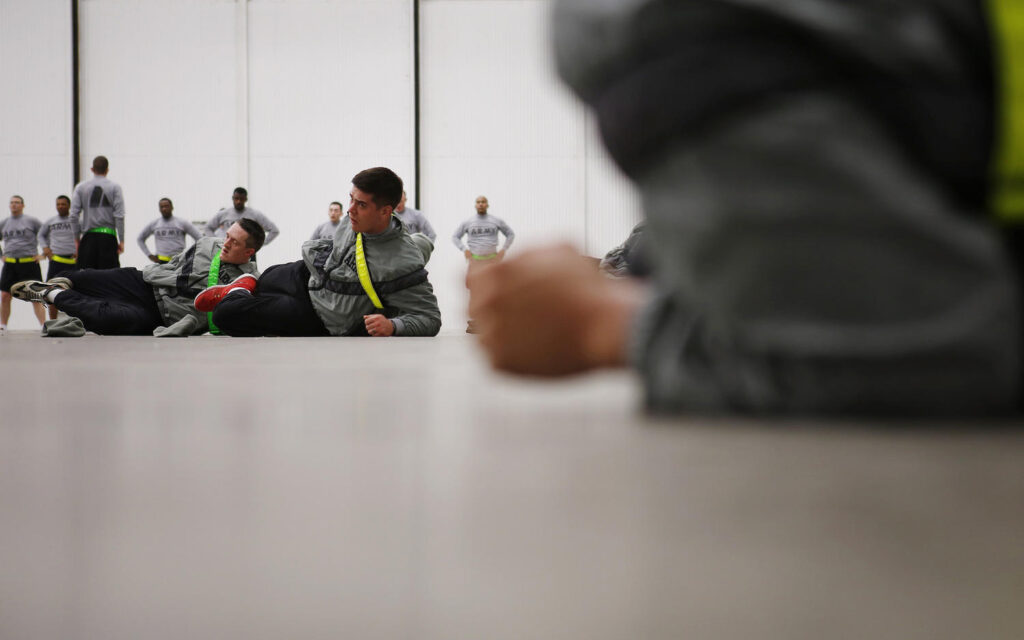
[212, 296]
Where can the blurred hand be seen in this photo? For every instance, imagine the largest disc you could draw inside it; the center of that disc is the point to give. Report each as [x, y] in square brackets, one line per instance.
[48, 253]
[549, 312]
[378, 326]
[120, 247]
[468, 254]
[153, 258]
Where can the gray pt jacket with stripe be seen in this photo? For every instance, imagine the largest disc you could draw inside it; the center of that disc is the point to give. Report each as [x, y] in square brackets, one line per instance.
[177, 282]
[395, 260]
[814, 177]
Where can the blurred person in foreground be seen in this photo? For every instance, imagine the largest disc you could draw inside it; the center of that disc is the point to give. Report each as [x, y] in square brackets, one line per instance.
[832, 194]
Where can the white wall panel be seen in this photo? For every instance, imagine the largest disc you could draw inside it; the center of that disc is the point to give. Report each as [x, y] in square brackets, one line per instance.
[612, 202]
[160, 95]
[331, 94]
[35, 138]
[496, 122]
[291, 98]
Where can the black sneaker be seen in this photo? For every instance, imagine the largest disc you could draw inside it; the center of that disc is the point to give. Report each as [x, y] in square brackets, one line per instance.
[36, 291]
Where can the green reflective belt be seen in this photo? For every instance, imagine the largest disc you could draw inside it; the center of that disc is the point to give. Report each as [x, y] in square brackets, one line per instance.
[18, 260]
[489, 256]
[364, 273]
[1007, 198]
[103, 230]
[62, 259]
[210, 282]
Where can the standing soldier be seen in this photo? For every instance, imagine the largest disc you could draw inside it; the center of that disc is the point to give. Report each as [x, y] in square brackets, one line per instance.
[414, 220]
[57, 240]
[223, 219]
[170, 234]
[329, 228]
[482, 243]
[21, 258]
[100, 205]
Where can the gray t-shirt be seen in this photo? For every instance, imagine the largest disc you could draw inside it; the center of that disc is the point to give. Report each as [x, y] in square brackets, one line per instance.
[327, 229]
[98, 203]
[223, 219]
[170, 236]
[416, 222]
[482, 232]
[58, 233]
[19, 236]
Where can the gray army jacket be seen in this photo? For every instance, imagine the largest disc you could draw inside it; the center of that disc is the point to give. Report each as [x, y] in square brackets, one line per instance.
[177, 282]
[814, 177]
[395, 260]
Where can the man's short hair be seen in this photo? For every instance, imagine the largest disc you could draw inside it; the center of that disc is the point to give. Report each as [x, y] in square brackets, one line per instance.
[167, 199]
[382, 183]
[19, 198]
[341, 206]
[256, 233]
[64, 197]
[242, 191]
[100, 164]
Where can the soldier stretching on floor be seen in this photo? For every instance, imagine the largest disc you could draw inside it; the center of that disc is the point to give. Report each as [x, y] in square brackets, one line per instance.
[132, 302]
[368, 280]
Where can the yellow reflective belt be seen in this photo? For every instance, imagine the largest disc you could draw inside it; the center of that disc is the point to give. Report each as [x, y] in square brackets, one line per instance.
[489, 256]
[364, 272]
[62, 259]
[1008, 184]
[164, 258]
[18, 260]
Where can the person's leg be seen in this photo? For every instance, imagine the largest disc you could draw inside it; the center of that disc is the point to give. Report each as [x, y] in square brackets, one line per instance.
[279, 306]
[98, 251]
[57, 269]
[32, 271]
[111, 302]
[8, 276]
[5, 308]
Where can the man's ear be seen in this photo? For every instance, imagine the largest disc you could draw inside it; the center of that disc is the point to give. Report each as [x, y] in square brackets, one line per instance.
[389, 209]
[249, 252]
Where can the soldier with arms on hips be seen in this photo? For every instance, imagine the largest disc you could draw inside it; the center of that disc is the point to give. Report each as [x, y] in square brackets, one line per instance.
[57, 240]
[21, 258]
[223, 219]
[170, 234]
[481, 246]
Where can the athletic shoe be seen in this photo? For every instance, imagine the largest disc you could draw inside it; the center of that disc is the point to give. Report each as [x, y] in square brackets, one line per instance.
[36, 291]
[62, 282]
[212, 296]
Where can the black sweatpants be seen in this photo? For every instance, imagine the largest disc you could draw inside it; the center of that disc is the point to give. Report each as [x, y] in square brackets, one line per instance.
[111, 302]
[59, 268]
[98, 251]
[279, 306]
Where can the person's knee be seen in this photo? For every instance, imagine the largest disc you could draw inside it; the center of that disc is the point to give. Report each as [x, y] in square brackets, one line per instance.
[225, 314]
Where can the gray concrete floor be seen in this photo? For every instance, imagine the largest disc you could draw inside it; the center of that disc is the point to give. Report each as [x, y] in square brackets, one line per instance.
[359, 488]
